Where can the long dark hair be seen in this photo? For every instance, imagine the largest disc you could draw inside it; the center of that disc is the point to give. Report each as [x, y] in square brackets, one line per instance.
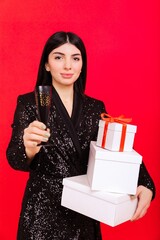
[54, 41]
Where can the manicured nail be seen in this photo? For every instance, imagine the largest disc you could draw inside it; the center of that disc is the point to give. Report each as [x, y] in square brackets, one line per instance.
[44, 139]
[43, 127]
[47, 134]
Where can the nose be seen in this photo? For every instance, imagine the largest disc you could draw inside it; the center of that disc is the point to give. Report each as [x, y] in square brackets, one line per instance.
[67, 64]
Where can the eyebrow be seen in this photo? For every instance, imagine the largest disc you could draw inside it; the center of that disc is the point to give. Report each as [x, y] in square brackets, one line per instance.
[75, 54]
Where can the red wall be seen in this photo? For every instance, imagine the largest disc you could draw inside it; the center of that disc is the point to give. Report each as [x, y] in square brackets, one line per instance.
[122, 41]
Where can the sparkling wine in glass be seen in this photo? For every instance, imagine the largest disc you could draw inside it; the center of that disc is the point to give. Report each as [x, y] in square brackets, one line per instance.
[43, 96]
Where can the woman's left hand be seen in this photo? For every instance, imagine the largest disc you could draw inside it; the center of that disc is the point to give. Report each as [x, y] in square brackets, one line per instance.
[144, 196]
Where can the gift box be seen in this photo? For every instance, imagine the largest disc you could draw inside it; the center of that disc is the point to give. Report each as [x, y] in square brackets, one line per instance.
[116, 136]
[113, 171]
[109, 208]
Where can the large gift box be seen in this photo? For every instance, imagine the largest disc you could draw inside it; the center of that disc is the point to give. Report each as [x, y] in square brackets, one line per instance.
[116, 136]
[109, 208]
[113, 171]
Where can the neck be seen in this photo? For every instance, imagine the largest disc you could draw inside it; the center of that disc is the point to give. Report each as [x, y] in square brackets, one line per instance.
[66, 94]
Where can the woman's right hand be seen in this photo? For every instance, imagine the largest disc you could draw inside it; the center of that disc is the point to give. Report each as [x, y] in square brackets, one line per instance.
[33, 135]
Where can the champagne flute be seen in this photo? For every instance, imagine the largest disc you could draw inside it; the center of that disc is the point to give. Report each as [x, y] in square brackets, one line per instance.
[43, 97]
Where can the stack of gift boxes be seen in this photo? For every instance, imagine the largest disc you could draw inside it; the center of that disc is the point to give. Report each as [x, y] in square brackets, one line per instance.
[112, 175]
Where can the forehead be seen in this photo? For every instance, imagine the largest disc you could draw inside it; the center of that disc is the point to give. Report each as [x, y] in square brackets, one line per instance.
[67, 48]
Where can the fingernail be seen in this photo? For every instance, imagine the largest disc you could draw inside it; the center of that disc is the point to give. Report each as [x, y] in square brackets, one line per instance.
[132, 197]
[43, 127]
[47, 134]
[44, 139]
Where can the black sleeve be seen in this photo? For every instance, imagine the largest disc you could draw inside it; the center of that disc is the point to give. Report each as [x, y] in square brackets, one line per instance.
[146, 180]
[16, 155]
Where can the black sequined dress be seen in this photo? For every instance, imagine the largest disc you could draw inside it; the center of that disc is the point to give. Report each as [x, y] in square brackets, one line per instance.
[42, 216]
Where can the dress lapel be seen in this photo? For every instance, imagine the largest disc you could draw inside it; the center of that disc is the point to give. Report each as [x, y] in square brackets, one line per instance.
[70, 122]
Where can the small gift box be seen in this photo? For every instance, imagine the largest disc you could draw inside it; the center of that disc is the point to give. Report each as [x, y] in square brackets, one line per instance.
[113, 171]
[115, 134]
[109, 208]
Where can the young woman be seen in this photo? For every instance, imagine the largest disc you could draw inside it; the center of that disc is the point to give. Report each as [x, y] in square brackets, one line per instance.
[73, 123]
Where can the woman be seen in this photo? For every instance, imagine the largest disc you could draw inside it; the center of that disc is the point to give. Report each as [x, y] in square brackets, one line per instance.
[73, 123]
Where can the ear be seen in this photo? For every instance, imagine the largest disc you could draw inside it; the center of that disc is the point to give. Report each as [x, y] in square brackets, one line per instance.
[47, 67]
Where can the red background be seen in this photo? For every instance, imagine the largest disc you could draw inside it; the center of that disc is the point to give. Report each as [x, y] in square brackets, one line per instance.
[122, 41]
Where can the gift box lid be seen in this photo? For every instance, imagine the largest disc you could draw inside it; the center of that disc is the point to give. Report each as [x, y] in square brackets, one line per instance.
[80, 183]
[104, 154]
[118, 126]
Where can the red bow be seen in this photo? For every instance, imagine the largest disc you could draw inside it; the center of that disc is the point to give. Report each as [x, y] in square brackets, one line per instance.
[109, 119]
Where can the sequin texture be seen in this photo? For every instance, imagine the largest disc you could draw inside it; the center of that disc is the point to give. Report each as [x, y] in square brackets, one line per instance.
[42, 216]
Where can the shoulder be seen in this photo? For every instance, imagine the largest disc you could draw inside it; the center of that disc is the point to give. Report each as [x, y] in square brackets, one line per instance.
[27, 98]
[93, 101]
[26, 107]
[93, 105]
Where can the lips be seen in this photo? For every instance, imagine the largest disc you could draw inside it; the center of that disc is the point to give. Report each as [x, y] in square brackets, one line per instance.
[67, 75]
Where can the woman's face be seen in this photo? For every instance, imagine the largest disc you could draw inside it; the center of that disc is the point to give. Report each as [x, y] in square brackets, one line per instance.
[64, 64]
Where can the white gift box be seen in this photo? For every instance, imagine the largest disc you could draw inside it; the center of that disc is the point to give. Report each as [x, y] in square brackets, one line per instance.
[109, 208]
[113, 136]
[113, 171]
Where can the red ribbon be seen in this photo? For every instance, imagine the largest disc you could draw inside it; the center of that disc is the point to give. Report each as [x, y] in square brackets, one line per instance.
[109, 119]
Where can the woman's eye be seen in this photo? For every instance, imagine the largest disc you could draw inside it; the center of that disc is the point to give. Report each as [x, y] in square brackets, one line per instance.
[76, 58]
[58, 57]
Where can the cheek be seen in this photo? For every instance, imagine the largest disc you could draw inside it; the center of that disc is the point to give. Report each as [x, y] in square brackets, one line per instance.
[79, 68]
[55, 69]
[78, 72]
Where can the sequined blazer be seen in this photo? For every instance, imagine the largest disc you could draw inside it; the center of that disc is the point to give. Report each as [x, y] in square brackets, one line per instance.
[68, 156]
